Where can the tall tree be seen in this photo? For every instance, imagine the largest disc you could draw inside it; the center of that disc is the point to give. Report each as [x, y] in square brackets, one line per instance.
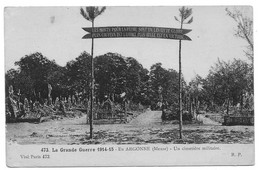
[58, 79]
[184, 15]
[244, 30]
[36, 68]
[158, 84]
[79, 74]
[227, 83]
[196, 92]
[110, 73]
[90, 14]
[163, 86]
[136, 78]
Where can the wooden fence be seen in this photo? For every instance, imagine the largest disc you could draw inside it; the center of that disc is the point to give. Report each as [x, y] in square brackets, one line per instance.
[238, 120]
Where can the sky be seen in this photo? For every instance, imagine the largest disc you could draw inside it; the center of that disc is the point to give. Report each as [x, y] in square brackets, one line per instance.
[57, 33]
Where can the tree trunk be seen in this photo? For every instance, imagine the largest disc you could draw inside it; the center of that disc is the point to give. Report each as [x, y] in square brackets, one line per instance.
[187, 102]
[241, 103]
[125, 114]
[189, 106]
[193, 107]
[227, 106]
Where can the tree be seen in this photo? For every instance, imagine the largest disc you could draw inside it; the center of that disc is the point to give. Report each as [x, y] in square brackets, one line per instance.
[10, 77]
[116, 74]
[163, 85]
[170, 92]
[196, 94]
[110, 73]
[136, 80]
[210, 91]
[158, 79]
[185, 13]
[90, 14]
[227, 83]
[58, 79]
[34, 69]
[244, 30]
[79, 74]
[144, 87]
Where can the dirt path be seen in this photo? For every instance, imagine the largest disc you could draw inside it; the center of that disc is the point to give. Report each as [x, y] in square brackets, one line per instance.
[207, 121]
[149, 118]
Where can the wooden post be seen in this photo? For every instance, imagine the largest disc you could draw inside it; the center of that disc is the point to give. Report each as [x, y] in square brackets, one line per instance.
[92, 86]
[180, 88]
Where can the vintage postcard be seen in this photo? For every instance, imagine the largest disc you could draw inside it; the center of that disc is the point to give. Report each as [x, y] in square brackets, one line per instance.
[129, 86]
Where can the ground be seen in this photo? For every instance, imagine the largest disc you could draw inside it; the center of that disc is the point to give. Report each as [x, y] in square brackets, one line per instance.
[146, 128]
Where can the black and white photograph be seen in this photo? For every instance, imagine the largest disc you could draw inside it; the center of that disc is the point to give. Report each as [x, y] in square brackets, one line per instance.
[135, 78]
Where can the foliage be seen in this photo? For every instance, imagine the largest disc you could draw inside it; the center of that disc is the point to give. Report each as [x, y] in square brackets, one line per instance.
[110, 75]
[32, 76]
[163, 86]
[244, 30]
[225, 85]
[91, 12]
[116, 75]
[78, 74]
[184, 14]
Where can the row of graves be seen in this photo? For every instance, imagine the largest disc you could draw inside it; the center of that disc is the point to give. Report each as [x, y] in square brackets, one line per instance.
[231, 116]
[107, 112]
[25, 110]
[241, 114]
[111, 113]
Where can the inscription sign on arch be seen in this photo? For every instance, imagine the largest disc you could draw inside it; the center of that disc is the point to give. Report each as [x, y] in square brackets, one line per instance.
[137, 32]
